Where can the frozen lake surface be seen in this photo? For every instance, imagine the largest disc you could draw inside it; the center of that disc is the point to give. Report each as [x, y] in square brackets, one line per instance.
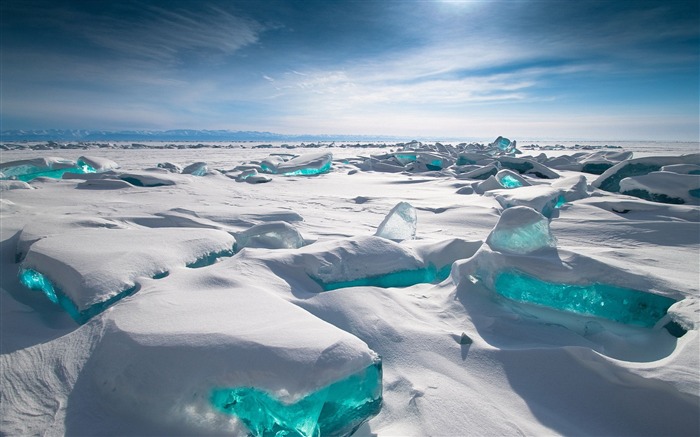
[399, 289]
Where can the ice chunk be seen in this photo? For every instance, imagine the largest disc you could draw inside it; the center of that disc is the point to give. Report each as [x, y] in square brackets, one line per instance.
[196, 169]
[482, 173]
[28, 169]
[273, 235]
[682, 168]
[488, 185]
[171, 167]
[399, 224]
[503, 145]
[303, 165]
[336, 410]
[85, 282]
[527, 166]
[510, 179]
[619, 304]
[664, 187]
[610, 179]
[521, 230]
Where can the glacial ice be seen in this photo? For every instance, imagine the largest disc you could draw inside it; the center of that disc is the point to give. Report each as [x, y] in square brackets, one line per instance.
[148, 179]
[623, 305]
[335, 410]
[400, 224]
[273, 235]
[521, 230]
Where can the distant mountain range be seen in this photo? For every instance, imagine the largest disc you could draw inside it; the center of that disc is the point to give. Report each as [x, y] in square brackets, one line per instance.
[81, 135]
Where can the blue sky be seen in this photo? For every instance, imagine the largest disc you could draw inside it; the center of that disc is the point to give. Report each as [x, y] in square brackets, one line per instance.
[551, 69]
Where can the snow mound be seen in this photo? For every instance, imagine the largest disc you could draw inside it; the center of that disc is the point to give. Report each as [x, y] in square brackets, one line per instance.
[213, 340]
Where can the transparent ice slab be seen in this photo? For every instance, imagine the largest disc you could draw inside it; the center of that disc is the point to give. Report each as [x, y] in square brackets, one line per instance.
[623, 305]
[400, 224]
[335, 410]
[400, 279]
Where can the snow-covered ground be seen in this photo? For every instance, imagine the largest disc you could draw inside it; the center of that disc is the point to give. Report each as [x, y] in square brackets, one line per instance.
[528, 297]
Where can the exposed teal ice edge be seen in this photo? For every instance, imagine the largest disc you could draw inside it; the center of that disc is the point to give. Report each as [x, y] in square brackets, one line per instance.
[509, 181]
[400, 279]
[335, 410]
[623, 305]
[80, 168]
[38, 281]
[211, 258]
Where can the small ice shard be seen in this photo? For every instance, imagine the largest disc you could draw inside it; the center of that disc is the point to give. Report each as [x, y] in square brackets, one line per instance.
[399, 224]
[465, 339]
[307, 165]
[335, 410]
[196, 169]
[623, 305]
[521, 230]
[273, 235]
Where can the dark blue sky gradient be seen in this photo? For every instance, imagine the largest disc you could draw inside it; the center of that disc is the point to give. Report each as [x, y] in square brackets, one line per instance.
[537, 69]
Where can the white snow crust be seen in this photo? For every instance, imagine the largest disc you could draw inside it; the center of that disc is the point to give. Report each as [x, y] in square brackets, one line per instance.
[146, 365]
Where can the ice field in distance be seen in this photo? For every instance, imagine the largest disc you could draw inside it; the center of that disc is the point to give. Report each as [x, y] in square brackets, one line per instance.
[333, 289]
